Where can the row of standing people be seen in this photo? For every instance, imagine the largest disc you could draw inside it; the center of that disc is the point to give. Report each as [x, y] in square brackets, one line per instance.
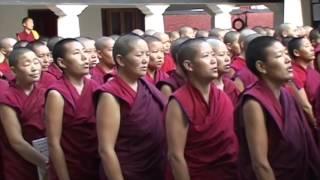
[134, 127]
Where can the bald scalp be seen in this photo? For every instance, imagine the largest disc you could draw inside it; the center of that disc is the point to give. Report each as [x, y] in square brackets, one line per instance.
[150, 39]
[85, 41]
[216, 32]
[125, 44]
[5, 42]
[248, 39]
[231, 37]
[35, 45]
[138, 32]
[281, 29]
[161, 35]
[52, 42]
[16, 55]
[175, 46]
[215, 43]
[244, 33]
[202, 33]
[188, 50]
[184, 30]
[150, 32]
[60, 48]
[100, 43]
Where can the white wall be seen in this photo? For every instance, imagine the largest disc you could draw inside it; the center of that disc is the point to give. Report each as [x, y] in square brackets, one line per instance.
[10, 20]
[90, 22]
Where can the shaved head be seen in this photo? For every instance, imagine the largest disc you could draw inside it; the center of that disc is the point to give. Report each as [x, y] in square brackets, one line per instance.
[150, 39]
[6, 46]
[248, 39]
[150, 32]
[102, 42]
[215, 43]
[17, 54]
[202, 33]
[162, 36]
[186, 31]
[7, 42]
[188, 50]
[217, 33]
[285, 30]
[231, 37]
[175, 47]
[125, 44]
[86, 42]
[138, 32]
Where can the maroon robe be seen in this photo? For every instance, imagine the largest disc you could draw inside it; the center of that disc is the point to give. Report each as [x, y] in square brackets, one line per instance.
[6, 71]
[316, 52]
[46, 80]
[158, 76]
[246, 76]
[237, 63]
[174, 80]
[29, 110]
[55, 71]
[211, 148]
[98, 74]
[79, 137]
[231, 90]
[3, 87]
[140, 145]
[292, 152]
[24, 36]
[309, 79]
[169, 64]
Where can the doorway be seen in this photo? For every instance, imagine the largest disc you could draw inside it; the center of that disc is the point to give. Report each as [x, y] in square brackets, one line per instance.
[45, 22]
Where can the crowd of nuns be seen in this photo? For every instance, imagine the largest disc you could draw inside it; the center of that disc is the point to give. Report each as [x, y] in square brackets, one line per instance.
[186, 105]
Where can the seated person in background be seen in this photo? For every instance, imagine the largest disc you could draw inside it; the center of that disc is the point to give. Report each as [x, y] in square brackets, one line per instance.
[28, 34]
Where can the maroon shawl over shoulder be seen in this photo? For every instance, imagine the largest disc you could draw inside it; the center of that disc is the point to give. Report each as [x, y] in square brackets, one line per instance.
[292, 153]
[140, 146]
[29, 110]
[211, 148]
[174, 80]
[79, 136]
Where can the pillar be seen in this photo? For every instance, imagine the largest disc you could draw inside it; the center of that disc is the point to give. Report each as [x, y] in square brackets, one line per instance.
[293, 12]
[68, 21]
[222, 16]
[154, 16]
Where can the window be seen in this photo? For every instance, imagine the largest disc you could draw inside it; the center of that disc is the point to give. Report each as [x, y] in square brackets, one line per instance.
[121, 21]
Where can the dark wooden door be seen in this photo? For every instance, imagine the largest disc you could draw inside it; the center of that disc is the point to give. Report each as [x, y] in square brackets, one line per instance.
[121, 21]
[45, 22]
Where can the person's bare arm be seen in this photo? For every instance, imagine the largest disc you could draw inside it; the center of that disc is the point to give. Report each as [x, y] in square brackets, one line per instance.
[108, 124]
[257, 138]
[166, 90]
[177, 129]
[54, 118]
[13, 131]
[302, 99]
